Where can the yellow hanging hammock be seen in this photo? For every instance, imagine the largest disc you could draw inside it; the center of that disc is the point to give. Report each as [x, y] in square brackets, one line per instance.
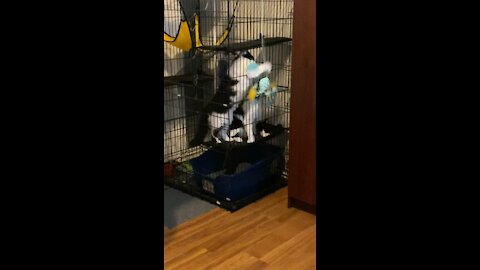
[183, 39]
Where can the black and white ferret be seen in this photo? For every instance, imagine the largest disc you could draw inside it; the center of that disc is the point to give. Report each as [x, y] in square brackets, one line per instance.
[225, 115]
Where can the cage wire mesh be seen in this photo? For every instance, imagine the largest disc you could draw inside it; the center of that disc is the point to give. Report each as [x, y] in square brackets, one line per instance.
[191, 80]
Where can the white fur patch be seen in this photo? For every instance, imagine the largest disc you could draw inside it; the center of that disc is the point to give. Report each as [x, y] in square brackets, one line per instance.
[237, 139]
[262, 68]
[218, 120]
[264, 134]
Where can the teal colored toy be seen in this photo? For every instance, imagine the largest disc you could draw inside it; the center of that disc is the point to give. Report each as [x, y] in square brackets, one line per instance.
[271, 93]
[261, 83]
[252, 70]
[263, 86]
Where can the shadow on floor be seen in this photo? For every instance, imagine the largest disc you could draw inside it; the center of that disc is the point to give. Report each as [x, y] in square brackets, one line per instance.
[180, 207]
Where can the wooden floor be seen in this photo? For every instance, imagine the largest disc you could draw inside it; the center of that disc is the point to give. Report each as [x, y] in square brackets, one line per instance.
[264, 235]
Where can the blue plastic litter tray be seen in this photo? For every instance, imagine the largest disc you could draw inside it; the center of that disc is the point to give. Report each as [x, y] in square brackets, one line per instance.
[255, 164]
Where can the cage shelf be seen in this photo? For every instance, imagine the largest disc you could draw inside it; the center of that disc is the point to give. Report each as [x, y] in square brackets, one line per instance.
[247, 45]
[185, 79]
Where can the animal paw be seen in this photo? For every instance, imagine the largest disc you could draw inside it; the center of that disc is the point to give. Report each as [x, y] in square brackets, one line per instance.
[251, 140]
[237, 139]
[233, 133]
[264, 134]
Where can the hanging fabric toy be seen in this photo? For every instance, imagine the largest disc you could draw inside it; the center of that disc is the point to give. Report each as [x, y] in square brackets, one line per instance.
[261, 83]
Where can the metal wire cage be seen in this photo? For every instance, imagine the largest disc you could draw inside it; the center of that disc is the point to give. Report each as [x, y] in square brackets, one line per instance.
[219, 30]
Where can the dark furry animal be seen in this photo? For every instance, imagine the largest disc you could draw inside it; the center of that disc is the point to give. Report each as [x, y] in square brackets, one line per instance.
[224, 111]
[221, 104]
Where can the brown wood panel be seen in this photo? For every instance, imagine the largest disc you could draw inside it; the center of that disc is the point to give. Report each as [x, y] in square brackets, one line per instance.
[302, 155]
[299, 204]
[263, 235]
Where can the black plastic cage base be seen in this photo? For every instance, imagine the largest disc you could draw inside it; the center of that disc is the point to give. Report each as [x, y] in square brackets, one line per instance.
[185, 182]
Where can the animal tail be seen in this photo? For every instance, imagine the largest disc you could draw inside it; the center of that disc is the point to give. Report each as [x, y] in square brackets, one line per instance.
[201, 131]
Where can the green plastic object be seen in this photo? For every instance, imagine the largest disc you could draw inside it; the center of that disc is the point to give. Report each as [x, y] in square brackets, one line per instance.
[185, 167]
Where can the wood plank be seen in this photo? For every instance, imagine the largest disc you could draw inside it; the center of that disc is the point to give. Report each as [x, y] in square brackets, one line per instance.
[287, 247]
[263, 235]
[302, 154]
[184, 258]
[241, 261]
[215, 220]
